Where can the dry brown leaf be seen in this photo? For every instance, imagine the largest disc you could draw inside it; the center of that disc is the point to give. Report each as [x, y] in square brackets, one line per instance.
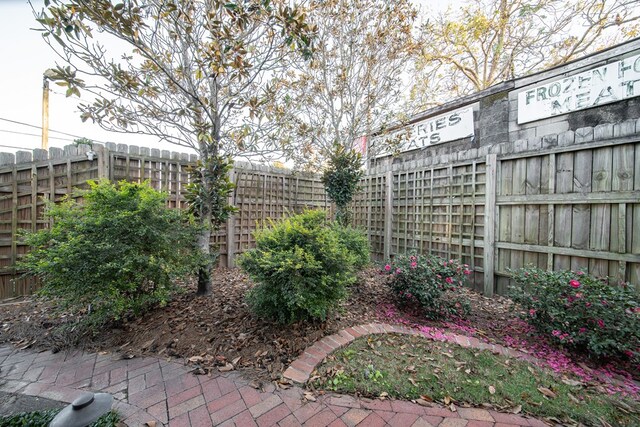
[151, 423]
[453, 408]
[427, 398]
[309, 396]
[226, 368]
[516, 409]
[547, 392]
[412, 381]
[573, 398]
[235, 361]
[572, 382]
[492, 390]
[422, 402]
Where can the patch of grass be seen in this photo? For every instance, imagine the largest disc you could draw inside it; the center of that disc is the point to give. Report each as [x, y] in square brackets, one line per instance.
[410, 367]
[43, 418]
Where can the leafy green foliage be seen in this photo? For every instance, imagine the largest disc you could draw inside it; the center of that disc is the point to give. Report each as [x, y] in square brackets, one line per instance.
[209, 189]
[115, 254]
[43, 418]
[341, 179]
[429, 282]
[301, 267]
[579, 310]
[356, 242]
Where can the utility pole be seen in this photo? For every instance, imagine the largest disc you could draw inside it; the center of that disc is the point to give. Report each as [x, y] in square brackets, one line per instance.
[45, 112]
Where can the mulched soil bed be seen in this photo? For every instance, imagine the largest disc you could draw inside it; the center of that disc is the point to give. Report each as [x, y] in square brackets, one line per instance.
[219, 332]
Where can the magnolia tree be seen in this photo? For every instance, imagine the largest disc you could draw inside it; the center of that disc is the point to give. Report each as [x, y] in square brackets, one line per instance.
[349, 88]
[352, 83]
[483, 42]
[190, 72]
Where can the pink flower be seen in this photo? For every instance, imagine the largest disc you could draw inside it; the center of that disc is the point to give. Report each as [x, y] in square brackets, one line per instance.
[587, 304]
[579, 273]
[574, 284]
[532, 312]
[414, 264]
[387, 267]
[556, 333]
[398, 271]
[467, 272]
[582, 330]
[629, 353]
[444, 263]
[449, 280]
[579, 295]
[412, 258]
[600, 323]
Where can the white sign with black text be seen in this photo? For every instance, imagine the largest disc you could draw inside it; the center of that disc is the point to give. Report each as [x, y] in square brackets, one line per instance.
[602, 85]
[457, 124]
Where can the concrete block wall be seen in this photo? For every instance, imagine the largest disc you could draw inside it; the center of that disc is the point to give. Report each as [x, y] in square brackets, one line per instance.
[496, 118]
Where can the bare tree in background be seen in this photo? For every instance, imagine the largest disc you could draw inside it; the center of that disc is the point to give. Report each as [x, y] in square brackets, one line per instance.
[483, 42]
[190, 72]
[352, 84]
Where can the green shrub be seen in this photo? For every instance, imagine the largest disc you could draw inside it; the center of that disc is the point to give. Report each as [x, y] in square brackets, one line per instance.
[341, 178]
[117, 252]
[301, 269]
[43, 418]
[356, 241]
[581, 311]
[429, 282]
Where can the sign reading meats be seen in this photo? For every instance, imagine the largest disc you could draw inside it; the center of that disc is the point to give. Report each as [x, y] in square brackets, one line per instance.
[602, 85]
[454, 125]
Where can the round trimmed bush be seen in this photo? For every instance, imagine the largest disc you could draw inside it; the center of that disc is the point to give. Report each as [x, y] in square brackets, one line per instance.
[302, 268]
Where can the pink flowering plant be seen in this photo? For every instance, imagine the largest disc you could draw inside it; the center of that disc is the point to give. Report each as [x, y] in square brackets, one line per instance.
[428, 282]
[580, 311]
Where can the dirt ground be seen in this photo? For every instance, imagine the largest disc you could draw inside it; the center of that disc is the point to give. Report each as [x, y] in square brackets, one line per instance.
[219, 332]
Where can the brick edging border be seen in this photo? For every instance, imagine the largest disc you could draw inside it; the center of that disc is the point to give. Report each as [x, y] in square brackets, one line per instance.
[300, 369]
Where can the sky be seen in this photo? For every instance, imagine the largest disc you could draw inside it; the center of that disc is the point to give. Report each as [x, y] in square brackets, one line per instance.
[26, 56]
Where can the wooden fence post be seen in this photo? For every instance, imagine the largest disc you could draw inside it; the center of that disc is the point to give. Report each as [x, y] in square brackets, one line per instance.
[388, 214]
[490, 225]
[231, 226]
[102, 154]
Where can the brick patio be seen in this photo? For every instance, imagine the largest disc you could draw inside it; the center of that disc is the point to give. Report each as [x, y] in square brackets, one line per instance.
[152, 389]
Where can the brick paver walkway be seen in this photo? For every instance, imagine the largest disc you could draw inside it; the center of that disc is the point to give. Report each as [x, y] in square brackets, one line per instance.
[151, 389]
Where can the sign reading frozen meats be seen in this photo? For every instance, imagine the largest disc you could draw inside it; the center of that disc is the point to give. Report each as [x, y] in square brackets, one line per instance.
[457, 124]
[608, 83]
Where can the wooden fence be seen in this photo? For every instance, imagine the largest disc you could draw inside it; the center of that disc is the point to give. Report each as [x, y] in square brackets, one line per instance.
[568, 201]
[28, 179]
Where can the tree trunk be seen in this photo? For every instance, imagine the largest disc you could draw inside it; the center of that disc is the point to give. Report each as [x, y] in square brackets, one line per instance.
[205, 272]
